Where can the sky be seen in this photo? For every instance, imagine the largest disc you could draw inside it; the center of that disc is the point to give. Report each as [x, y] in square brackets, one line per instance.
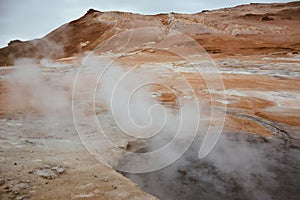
[30, 19]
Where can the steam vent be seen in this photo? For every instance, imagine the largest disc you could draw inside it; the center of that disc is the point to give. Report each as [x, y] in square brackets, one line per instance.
[171, 106]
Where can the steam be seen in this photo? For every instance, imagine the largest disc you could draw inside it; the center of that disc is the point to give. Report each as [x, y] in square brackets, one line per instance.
[121, 99]
[249, 164]
[130, 112]
[47, 48]
[31, 91]
[234, 169]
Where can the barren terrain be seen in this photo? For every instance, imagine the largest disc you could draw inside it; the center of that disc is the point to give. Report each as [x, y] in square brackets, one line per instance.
[255, 51]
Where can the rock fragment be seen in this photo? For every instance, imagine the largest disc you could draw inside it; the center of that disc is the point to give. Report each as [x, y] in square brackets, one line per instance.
[23, 197]
[104, 178]
[46, 173]
[50, 171]
[2, 181]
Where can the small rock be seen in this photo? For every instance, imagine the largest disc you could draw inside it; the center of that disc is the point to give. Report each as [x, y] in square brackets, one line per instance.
[151, 51]
[20, 186]
[114, 187]
[266, 18]
[47, 166]
[104, 178]
[124, 145]
[2, 181]
[60, 170]
[23, 197]
[46, 173]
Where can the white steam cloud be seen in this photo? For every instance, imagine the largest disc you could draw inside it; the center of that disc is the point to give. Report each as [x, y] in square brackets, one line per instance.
[30, 90]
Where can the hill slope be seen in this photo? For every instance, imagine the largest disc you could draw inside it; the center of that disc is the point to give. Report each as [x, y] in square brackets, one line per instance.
[247, 30]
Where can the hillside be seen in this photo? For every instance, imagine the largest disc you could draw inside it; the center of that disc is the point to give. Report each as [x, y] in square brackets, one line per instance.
[253, 29]
[121, 106]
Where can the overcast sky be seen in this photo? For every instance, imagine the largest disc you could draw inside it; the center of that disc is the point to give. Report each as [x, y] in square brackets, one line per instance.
[29, 19]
